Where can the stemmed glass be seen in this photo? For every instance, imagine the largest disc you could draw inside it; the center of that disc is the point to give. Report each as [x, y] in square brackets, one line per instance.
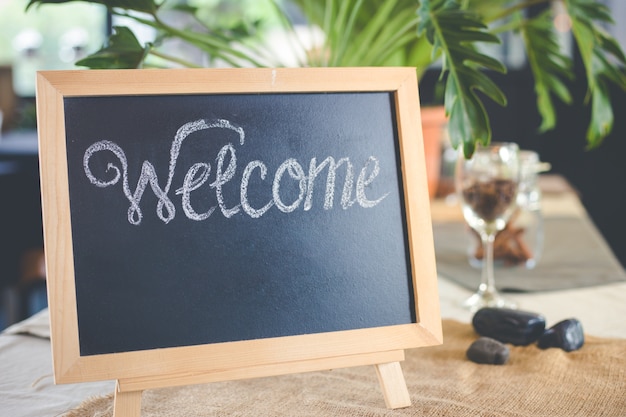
[487, 187]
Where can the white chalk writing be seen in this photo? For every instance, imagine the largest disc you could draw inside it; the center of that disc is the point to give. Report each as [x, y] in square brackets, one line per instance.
[225, 171]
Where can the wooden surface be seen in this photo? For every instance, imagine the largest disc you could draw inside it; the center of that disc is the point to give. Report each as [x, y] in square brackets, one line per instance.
[393, 385]
[126, 403]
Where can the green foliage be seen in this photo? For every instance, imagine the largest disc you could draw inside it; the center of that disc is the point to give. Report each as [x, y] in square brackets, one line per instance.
[597, 49]
[215, 45]
[365, 33]
[453, 32]
[145, 6]
[123, 51]
[407, 33]
[548, 65]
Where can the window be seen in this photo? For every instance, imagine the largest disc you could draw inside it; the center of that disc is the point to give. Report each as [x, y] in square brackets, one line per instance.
[47, 37]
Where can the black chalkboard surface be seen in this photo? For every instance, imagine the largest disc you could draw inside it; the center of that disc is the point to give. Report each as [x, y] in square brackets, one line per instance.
[311, 248]
[214, 224]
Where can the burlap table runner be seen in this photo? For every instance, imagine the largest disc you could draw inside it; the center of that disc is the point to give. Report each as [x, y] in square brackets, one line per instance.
[441, 381]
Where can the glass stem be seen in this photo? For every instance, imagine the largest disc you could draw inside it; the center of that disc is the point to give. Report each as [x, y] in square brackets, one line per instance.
[487, 284]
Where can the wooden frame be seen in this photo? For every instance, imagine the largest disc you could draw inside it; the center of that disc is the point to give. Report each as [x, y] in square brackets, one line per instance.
[140, 370]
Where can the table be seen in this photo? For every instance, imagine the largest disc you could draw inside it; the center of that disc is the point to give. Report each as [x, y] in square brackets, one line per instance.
[600, 308]
[19, 150]
[27, 388]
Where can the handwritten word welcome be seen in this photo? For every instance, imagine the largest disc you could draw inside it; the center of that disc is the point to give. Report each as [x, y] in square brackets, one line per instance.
[225, 170]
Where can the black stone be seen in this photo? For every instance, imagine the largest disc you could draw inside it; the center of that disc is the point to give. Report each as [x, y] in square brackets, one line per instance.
[567, 335]
[517, 327]
[488, 351]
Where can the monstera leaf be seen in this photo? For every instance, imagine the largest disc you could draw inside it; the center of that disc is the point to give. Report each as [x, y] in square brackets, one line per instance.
[597, 49]
[453, 32]
[409, 33]
[548, 65]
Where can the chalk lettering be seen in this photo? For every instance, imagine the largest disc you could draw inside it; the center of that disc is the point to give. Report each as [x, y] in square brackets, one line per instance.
[225, 171]
[315, 170]
[363, 182]
[222, 177]
[148, 174]
[191, 183]
[297, 173]
[247, 208]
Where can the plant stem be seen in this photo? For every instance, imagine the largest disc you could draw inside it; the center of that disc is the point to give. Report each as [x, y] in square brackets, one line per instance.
[174, 59]
[508, 27]
[289, 28]
[205, 42]
[510, 10]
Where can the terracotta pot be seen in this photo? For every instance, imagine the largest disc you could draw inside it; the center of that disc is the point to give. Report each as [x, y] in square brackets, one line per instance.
[433, 128]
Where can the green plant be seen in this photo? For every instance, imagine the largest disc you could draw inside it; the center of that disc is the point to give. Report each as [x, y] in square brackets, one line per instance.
[407, 32]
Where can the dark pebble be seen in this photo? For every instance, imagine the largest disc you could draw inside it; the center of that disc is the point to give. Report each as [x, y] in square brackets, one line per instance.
[488, 351]
[517, 327]
[567, 335]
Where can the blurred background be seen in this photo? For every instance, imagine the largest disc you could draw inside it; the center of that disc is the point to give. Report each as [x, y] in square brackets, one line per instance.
[56, 36]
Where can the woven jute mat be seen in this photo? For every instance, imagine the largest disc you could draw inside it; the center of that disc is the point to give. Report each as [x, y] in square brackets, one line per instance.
[441, 381]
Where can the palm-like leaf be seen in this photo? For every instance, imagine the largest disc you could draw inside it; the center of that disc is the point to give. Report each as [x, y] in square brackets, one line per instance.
[597, 48]
[389, 32]
[548, 65]
[453, 32]
[361, 33]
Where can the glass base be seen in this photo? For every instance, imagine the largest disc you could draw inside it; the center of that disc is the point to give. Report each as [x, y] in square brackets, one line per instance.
[487, 299]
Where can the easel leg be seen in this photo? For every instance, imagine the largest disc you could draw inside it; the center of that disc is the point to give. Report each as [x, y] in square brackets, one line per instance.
[393, 385]
[126, 404]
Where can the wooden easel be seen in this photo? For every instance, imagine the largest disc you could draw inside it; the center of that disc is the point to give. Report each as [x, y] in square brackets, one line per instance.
[184, 363]
[127, 402]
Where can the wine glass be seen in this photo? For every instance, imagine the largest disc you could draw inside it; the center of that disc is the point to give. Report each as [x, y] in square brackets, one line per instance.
[487, 187]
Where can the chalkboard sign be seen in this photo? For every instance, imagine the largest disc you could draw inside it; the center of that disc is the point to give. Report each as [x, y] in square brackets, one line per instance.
[205, 220]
